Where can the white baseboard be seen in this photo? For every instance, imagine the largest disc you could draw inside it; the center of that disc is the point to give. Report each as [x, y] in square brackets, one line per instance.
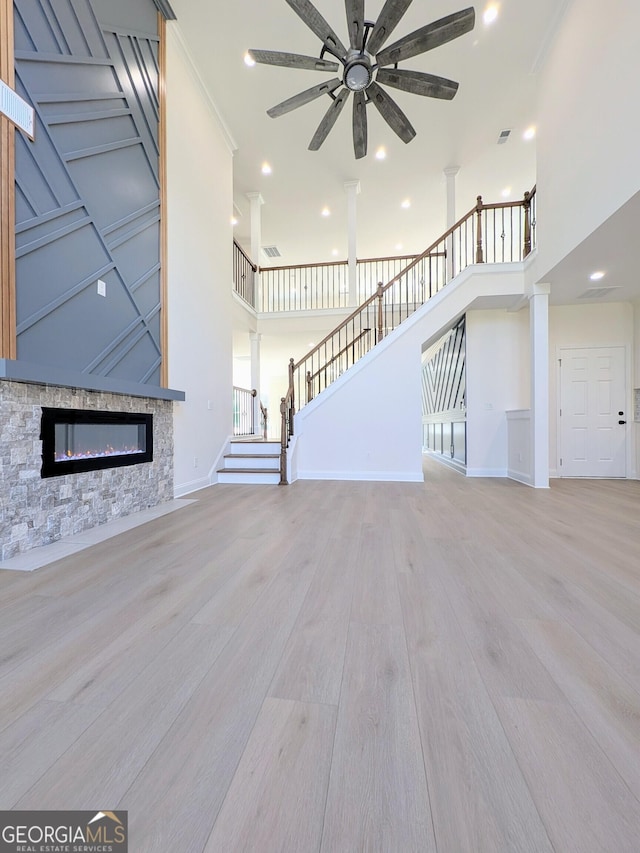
[369, 476]
[193, 486]
[487, 472]
[520, 477]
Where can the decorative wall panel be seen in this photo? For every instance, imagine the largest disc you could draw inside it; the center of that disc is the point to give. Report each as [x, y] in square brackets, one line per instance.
[87, 190]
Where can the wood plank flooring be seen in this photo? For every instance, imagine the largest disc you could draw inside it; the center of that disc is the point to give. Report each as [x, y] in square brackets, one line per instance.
[337, 667]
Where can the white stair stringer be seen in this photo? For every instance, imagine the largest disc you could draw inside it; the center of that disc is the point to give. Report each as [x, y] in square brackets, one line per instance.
[367, 425]
[252, 462]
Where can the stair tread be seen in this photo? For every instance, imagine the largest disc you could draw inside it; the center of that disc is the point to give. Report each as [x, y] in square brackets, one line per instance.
[261, 470]
[252, 456]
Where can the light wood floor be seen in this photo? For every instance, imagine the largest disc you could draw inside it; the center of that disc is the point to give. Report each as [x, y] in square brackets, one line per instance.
[340, 667]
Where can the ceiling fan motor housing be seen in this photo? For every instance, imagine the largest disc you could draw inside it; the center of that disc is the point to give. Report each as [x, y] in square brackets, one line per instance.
[357, 71]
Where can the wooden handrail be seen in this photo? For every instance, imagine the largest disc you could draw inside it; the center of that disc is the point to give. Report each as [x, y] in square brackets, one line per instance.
[253, 266]
[338, 263]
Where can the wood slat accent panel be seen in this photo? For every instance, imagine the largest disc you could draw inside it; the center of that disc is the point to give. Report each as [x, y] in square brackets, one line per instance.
[7, 194]
[162, 137]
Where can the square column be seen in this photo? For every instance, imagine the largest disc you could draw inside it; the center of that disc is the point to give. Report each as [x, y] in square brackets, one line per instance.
[539, 342]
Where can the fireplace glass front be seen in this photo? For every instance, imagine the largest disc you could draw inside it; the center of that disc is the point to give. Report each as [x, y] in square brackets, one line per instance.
[75, 440]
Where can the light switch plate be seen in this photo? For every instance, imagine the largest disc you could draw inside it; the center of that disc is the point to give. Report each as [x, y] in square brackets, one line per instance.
[102, 287]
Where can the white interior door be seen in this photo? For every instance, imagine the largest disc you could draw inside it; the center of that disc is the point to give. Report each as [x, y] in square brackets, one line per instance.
[593, 412]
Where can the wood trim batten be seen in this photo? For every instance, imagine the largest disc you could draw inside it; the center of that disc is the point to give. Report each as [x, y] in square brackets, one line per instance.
[162, 131]
[7, 194]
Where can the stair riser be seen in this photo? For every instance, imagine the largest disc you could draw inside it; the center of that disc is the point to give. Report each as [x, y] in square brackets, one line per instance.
[252, 478]
[251, 462]
[257, 447]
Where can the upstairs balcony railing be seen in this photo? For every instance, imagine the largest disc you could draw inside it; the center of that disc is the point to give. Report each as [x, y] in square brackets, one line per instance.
[312, 287]
[244, 275]
[504, 232]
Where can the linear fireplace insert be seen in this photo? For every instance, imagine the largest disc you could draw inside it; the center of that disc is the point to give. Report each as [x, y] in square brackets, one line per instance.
[76, 440]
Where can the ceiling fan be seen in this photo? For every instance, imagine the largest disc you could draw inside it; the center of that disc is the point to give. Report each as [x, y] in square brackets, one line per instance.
[367, 65]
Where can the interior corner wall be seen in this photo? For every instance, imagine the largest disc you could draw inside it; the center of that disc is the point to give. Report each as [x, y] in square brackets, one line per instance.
[591, 325]
[588, 126]
[498, 380]
[199, 202]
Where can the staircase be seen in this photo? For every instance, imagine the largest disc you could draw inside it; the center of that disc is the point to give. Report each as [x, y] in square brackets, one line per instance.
[251, 461]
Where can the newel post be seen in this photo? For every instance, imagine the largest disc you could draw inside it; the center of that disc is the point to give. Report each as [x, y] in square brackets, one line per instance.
[293, 395]
[284, 440]
[380, 294]
[479, 251]
[527, 224]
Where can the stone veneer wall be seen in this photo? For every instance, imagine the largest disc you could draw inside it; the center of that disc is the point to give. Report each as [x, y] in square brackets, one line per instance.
[36, 511]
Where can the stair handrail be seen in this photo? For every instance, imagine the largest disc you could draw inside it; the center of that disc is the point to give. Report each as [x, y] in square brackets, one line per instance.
[480, 209]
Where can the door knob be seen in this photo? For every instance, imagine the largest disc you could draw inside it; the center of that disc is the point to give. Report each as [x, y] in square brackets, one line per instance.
[621, 422]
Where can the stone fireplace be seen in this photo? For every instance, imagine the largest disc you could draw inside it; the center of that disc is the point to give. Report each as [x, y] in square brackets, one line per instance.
[38, 508]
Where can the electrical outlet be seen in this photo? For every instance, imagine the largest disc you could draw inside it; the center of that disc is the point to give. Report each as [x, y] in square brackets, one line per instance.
[102, 287]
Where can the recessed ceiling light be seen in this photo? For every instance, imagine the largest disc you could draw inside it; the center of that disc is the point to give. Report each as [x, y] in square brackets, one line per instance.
[596, 276]
[249, 60]
[334, 252]
[399, 247]
[234, 220]
[506, 192]
[406, 204]
[490, 14]
[311, 344]
[325, 211]
[381, 153]
[266, 169]
[529, 133]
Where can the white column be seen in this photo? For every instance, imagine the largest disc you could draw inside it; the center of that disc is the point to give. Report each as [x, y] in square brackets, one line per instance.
[450, 174]
[256, 237]
[255, 339]
[539, 341]
[352, 188]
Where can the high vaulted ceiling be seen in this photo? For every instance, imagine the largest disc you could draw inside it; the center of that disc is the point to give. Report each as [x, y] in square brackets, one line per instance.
[495, 66]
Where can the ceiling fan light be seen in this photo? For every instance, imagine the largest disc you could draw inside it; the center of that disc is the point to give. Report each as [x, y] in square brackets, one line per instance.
[249, 61]
[357, 76]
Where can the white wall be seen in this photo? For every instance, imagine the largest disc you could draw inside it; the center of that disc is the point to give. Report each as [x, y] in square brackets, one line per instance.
[610, 324]
[368, 424]
[199, 196]
[589, 124]
[498, 380]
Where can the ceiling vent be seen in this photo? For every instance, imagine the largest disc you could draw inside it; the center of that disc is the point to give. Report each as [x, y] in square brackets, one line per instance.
[598, 292]
[504, 135]
[271, 251]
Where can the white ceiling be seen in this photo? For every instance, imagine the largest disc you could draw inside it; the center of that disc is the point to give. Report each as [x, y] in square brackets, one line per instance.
[494, 65]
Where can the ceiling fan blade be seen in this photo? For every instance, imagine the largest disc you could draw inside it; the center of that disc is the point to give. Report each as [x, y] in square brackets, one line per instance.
[303, 98]
[355, 22]
[330, 118]
[388, 20]
[292, 60]
[391, 113]
[317, 24]
[418, 83]
[360, 124]
[426, 38]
